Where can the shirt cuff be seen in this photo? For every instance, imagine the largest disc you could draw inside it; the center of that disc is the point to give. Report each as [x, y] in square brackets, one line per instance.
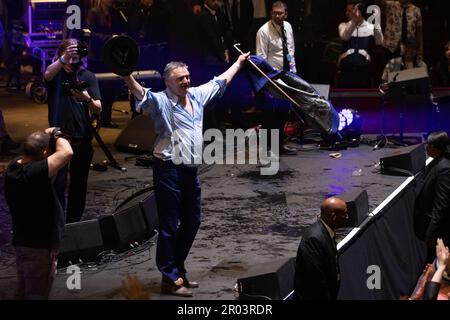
[140, 103]
[222, 86]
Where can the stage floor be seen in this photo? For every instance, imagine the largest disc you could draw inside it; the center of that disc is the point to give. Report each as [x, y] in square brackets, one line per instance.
[248, 219]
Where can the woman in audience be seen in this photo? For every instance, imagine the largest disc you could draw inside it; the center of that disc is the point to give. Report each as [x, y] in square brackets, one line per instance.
[434, 283]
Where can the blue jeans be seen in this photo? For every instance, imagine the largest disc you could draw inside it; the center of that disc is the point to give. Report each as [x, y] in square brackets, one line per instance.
[178, 197]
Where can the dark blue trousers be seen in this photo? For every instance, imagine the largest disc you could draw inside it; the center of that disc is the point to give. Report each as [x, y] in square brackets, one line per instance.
[178, 197]
[78, 171]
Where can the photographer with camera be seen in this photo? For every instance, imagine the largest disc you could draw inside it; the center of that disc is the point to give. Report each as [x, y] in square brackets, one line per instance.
[73, 93]
[37, 216]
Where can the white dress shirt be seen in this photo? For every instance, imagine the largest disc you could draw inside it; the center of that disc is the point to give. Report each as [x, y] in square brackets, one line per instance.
[269, 44]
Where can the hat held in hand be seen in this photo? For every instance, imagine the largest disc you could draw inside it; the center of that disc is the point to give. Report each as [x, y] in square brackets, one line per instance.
[121, 55]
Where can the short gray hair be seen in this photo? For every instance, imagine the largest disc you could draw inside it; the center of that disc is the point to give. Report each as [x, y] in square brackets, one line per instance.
[172, 66]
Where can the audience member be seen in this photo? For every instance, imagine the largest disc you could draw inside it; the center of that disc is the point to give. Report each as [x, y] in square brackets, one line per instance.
[409, 59]
[242, 18]
[317, 274]
[104, 21]
[434, 283]
[260, 11]
[314, 23]
[354, 63]
[275, 40]
[147, 21]
[403, 21]
[149, 26]
[215, 40]
[215, 34]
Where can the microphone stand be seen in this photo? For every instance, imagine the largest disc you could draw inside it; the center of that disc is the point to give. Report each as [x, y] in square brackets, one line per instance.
[111, 160]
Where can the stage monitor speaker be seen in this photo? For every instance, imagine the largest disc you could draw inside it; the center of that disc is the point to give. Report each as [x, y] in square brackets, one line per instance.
[406, 161]
[268, 281]
[80, 240]
[138, 137]
[146, 201]
[122, 229]
[357, 206]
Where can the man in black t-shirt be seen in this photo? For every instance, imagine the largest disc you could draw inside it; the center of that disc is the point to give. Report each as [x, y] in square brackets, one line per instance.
[37, 216]
[69, 109]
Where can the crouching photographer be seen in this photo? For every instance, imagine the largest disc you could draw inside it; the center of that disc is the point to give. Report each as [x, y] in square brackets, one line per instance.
[73, 94]
[37, 216]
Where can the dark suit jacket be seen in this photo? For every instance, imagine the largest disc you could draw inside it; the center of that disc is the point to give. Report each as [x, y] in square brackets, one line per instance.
[211, 33]
[317, 269]
[101, 32]
[242, 26]
[148, 24]
[432, 205]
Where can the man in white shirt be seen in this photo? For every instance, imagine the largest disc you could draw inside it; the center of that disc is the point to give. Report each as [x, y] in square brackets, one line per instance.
[354, 62]
[275, 40]
[275, 43]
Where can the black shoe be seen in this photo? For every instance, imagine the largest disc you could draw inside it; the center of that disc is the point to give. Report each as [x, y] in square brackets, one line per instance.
[110, 125]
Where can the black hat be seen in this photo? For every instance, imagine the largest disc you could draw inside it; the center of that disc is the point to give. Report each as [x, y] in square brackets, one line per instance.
[121, 55]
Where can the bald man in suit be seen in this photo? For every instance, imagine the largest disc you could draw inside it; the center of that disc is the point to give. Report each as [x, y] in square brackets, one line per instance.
[317, 268]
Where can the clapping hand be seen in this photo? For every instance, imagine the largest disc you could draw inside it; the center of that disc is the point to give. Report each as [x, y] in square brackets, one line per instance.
[442, 254]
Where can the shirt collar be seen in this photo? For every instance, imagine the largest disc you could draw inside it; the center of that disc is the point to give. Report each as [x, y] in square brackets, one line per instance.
[363, 24]
[172, 97]
[213, 12]
[330, 231]
[276, 26]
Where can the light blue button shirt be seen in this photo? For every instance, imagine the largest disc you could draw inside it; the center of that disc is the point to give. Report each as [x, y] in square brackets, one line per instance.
[188, 128]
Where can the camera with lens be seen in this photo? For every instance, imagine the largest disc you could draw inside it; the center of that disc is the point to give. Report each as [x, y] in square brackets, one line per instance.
[73, 83]
[82, 49]
[56, 133]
